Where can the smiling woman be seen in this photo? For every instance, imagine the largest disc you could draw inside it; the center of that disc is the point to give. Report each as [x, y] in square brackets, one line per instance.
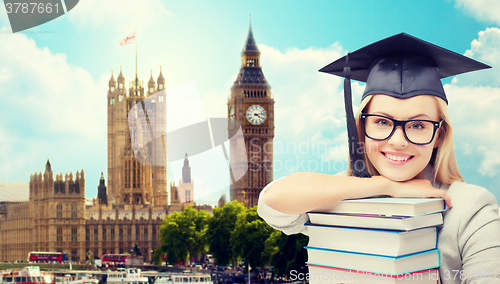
[406, 148]
[400, 153]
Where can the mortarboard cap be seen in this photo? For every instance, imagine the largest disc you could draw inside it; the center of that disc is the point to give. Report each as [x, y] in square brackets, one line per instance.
[401, 66]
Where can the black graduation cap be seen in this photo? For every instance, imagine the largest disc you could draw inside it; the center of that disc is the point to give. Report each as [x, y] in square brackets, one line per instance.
[401, 66]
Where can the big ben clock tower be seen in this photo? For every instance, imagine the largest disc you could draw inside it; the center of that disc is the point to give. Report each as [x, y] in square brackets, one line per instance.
[252, 106]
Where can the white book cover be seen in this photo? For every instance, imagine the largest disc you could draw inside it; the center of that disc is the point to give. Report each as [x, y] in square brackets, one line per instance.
[403, 223]
[371, 241]
[387, 206]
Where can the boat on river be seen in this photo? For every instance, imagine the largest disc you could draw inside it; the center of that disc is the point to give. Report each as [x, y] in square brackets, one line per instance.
[77, 279]
[27, 275]
[184, 279]
[126, 276]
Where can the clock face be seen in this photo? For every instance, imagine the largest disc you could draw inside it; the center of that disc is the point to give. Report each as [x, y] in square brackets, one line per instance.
[256, 114]
[231, 115]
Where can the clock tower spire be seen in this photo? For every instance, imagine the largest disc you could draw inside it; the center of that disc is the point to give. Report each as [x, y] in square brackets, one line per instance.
[252, 106]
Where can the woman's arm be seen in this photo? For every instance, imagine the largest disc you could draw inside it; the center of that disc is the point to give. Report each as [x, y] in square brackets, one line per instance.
[301, 192]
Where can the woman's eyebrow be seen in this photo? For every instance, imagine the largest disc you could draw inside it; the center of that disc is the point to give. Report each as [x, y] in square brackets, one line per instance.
[410, 118]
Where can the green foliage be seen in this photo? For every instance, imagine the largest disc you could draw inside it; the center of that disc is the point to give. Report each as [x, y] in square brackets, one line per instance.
[286, 253]
[249, 236]
[231, 234]
[220, 228]
[158, 256]
[183, 234]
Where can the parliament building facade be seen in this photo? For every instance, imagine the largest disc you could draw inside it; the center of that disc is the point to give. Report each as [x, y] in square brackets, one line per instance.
[129, 211]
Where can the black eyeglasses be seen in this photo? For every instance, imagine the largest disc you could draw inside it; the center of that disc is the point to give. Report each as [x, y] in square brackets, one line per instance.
[416, 131]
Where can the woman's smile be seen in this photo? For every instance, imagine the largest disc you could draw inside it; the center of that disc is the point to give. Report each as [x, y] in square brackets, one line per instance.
[397, 159]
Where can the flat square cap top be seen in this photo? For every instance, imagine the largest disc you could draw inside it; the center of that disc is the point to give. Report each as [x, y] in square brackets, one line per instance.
[403, 66]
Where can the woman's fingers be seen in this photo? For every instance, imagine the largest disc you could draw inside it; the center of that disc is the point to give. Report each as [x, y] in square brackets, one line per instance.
[419, 188]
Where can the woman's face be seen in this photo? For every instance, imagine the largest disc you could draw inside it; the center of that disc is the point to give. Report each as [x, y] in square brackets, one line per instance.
[396, 158]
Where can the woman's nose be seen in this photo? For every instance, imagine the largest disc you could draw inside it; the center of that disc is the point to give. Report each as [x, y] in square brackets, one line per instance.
[398, 138]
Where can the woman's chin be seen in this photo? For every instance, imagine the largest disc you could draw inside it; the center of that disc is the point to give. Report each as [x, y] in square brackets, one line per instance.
[397, 176]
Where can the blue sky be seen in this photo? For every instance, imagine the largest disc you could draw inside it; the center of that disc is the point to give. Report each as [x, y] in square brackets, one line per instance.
[54, 76]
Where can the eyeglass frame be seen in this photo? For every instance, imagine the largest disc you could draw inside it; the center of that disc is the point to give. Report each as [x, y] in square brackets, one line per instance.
[402, 123]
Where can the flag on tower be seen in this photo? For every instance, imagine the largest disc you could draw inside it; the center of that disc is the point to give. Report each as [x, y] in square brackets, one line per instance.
[129, 39]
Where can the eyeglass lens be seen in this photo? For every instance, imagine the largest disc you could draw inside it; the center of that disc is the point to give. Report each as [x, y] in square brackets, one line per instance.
[417, 131]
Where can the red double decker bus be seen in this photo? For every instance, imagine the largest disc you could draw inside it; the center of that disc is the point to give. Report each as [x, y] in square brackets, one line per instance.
[114, 259]
[41, 256]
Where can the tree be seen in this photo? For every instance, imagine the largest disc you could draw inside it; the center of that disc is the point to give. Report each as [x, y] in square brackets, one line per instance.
[183, 234]
[220, 228]
[286, 253]
[249, 236]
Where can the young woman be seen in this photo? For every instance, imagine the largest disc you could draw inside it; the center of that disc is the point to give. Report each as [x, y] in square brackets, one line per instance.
[406, 133]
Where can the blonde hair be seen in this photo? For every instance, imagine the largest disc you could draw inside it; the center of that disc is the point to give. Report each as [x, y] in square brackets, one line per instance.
[443, 157]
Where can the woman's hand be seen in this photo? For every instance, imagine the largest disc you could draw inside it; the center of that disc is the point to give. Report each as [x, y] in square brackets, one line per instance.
[417, 188]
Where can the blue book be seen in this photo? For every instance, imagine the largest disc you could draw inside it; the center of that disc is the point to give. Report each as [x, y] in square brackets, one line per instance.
[374, 263]
[372, 241]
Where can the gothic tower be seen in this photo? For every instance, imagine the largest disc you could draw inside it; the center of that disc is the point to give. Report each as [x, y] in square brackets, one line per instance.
[129, 181]
[186, 185]
[102, 194]
[252, 106]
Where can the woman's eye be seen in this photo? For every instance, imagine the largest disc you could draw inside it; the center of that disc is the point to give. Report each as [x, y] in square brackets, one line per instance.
[383, 122]
[416, 125]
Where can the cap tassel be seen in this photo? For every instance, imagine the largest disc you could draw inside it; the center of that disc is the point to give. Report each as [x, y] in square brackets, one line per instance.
[358, 167]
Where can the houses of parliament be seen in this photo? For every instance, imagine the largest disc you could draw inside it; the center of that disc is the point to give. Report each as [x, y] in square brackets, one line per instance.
[130, 209]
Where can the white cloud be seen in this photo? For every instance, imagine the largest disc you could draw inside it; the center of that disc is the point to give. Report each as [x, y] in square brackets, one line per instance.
[305, 97]
[490, 166]
[482, 10]
[121, 14]
[476, 121]
[484, 49]
[49, 109]
[474, 99]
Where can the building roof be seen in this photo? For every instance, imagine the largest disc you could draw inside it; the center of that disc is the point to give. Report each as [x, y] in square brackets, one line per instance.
[250, 45]
[14, 191]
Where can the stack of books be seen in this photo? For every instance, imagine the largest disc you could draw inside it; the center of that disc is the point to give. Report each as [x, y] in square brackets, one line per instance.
[375, 240]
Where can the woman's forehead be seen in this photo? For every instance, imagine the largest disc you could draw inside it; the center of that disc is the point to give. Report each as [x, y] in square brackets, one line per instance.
[404, 108]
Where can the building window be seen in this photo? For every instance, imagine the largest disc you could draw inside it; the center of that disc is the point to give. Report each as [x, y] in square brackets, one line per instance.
[112, 89]
[96, 235]
[74, 234]
[112, 231]
[145, 237]
[138, 175]
[129, 235]
[160, 99]
[120, 98]
[96, 253]
[127, 174]
[121, 250]
[133, 174]
[74, 210]
[160, 86]
[74, 255]
[120, 86]
[59, 210]
[104, 251]
[59, 234]
[87, 235]
[120, 234]
[154, 233]
[104, 234]
[137, 233]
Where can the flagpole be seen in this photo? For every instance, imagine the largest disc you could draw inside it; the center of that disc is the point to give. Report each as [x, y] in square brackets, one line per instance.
[136, 60]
